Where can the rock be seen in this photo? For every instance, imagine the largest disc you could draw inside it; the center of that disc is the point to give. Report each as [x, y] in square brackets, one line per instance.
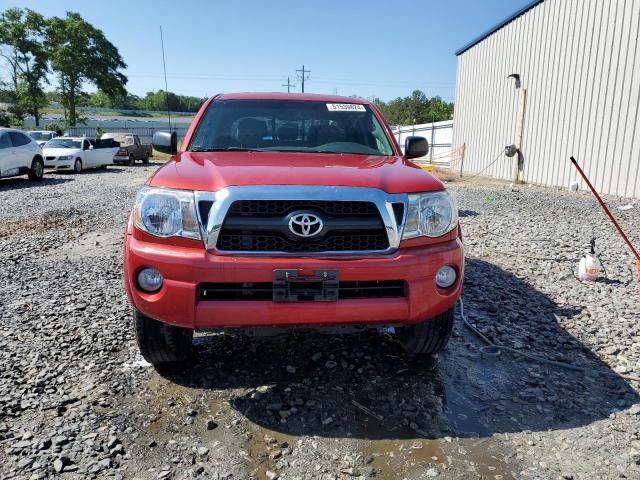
[112, 441]
[211, 424]
[291, 369]
[634, 452]
[330, 364]
[271, 475]
[203, 451]
[60, 463]
[432, 472]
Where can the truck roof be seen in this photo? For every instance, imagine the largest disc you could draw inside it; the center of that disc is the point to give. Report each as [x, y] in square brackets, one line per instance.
[292, 96]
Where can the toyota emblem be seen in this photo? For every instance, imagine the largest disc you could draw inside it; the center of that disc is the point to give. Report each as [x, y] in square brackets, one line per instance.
[305, 224]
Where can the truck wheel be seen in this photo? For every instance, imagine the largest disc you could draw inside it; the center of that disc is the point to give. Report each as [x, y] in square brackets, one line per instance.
[77, 166]
[160, 343]
[430, 336]
[146, 158]
[37, 169]
[132, 160]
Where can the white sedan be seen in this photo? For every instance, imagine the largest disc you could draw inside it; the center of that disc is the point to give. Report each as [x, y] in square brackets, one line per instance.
[19, 155]
[77, 153]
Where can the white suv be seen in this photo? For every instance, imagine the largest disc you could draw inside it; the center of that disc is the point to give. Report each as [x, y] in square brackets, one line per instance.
[20, 155]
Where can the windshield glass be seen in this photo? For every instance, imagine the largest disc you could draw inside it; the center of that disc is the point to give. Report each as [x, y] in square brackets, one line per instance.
[118, 137]
[40, 135]
[63, 143]
[290, 126]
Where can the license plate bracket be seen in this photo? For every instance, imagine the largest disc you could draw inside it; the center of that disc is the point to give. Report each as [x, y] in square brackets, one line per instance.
[305, 286]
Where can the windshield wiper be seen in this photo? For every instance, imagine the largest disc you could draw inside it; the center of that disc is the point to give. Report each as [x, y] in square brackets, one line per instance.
[227, 149]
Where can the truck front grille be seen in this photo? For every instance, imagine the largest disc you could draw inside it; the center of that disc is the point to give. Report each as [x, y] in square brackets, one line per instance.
[284, 207]
[263, 226]
[249, 242]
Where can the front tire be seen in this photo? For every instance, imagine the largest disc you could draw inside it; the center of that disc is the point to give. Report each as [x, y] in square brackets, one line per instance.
[77, 166]
[430, 336]
[36, 172]
[162, 344]
[132, 160]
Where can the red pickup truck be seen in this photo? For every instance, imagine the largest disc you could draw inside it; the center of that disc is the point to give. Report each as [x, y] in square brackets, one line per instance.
[291, 210]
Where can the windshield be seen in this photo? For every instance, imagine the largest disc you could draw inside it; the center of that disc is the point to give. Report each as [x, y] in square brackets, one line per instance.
[118, 137]
[40, 135]
[290, 126]
[63, 143]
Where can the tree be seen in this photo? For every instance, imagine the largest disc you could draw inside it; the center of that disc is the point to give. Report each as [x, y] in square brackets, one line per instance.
[81, 53]
[157, 101]
[415, 109]
[22, 36]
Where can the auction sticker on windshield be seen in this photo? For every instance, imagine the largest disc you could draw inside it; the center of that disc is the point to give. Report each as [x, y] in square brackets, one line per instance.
[345, 107]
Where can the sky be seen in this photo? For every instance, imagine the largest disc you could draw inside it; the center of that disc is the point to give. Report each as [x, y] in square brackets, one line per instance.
[369, 48]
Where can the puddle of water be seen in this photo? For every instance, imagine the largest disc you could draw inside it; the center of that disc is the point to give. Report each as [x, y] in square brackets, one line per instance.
[463, 413]
[260, 449]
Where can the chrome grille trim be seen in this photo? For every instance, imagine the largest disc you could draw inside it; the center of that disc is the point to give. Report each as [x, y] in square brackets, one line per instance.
[222, 200]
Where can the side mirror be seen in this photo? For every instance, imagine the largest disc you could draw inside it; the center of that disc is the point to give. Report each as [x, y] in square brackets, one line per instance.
[90, 147]
[165, 142]
[415, 147]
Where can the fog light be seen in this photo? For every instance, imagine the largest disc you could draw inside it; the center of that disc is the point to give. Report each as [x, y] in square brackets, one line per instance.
[149, 279]
[446, 277]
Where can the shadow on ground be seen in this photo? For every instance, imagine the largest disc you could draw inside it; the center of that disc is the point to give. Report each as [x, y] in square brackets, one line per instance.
[310, 383]
[19, 183]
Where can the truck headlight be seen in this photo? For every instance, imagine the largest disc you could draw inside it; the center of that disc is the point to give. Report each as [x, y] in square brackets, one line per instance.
[430, 215]
[165, 212]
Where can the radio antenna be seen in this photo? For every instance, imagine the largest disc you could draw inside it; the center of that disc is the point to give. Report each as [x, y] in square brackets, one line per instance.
[166, 88]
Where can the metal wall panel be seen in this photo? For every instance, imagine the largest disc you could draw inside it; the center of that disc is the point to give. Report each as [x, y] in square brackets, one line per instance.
[579, 62]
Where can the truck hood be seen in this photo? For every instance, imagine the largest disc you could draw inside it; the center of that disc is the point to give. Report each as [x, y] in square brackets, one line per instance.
[212, 171]
[57, 152]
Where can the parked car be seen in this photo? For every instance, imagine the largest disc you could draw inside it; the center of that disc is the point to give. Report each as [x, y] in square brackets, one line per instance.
[291, 210]
[41, 136]
[77, 153]
[19, 155]
[131, 148]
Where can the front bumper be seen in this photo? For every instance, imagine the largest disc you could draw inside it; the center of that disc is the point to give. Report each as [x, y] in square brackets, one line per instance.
[58, 164]
[184, 268]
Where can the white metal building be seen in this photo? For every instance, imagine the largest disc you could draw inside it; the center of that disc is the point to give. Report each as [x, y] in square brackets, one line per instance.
[577, 93]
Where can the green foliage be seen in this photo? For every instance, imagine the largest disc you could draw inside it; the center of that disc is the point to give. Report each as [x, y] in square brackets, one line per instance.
[157, 101]
[22, 35]
[80, 53]
[415, 109]
[53, 127]
[5, 119]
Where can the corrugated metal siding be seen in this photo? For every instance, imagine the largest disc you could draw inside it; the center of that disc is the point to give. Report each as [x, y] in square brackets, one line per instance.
[579, 61]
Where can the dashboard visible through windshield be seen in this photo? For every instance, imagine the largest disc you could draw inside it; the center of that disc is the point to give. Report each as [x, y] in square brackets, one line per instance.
[290, 126]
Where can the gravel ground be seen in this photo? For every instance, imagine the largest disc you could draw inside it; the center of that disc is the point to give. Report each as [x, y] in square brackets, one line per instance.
[77, 400]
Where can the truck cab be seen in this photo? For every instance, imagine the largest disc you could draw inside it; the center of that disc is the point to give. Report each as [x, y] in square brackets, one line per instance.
[291, 210]
[131, 148]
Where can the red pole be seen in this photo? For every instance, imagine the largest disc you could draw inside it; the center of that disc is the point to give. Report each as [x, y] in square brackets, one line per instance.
[606, 210]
